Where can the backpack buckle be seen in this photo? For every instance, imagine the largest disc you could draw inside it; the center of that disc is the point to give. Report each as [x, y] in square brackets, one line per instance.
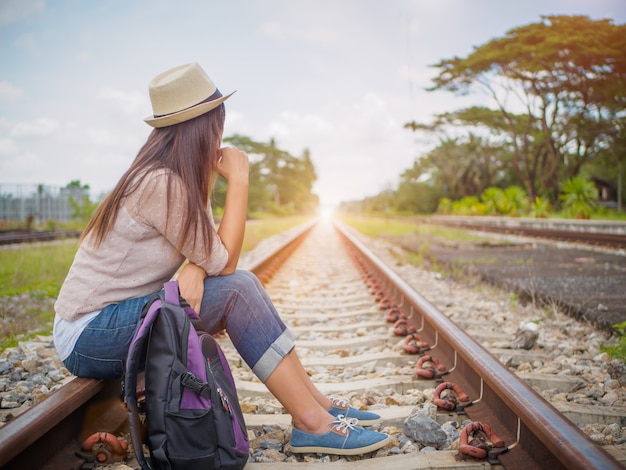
[189, 380]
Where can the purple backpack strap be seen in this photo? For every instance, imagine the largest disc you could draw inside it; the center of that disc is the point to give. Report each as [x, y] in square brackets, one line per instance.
[172, 296]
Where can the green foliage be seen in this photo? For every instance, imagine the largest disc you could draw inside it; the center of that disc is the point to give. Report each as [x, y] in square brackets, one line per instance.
[416, 198]
[515, 201]
[445, 206]
[580, 197]
[492, 198]
[618, 350]
[279, 182]
[511, 201]
[459, 167]
[82, 206]
[540, 208]
[83, 210]
[569, 75]
[469, 205]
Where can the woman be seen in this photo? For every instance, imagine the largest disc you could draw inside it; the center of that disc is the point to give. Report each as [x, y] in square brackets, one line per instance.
[156, 218]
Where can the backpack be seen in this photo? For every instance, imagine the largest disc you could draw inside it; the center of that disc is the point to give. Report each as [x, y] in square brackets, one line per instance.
[192, 413]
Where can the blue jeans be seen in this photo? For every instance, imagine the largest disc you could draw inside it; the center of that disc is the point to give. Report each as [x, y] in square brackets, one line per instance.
[236, 303]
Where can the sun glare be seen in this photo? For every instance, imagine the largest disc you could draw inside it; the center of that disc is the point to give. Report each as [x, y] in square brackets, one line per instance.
[327, 212]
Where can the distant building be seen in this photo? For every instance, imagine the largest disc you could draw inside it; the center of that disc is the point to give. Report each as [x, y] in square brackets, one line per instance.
[607, 192]
[23, 202]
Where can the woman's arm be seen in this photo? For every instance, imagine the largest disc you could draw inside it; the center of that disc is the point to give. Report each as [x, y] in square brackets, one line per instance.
[233, 166]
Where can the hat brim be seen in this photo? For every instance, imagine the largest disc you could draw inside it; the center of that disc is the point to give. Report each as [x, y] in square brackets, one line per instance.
[186, 114]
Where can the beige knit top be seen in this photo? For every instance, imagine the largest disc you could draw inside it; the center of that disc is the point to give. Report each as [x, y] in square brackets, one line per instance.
[139, 254]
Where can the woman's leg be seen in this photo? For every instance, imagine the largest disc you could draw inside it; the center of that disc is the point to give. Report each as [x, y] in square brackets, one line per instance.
[293, 393]
[298, 368]
[239, 304]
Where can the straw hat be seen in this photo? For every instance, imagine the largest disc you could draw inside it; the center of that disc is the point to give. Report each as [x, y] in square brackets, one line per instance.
[181, 94]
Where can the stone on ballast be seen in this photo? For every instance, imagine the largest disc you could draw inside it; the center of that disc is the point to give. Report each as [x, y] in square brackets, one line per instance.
[426, 431]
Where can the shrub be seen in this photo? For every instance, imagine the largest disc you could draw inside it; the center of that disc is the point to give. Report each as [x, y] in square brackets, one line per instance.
[580, 197]
[617, 351]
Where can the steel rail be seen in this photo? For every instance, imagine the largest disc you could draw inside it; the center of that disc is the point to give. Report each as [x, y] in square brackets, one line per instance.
[77, 409]
[539, 433]
[8, 238]
[534, 431]
[596, 232]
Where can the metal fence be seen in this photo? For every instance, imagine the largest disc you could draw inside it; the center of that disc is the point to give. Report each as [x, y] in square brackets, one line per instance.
[38, 202]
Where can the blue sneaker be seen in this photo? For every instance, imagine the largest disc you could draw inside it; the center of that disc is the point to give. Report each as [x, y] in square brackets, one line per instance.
[344, 438]
[342, 407]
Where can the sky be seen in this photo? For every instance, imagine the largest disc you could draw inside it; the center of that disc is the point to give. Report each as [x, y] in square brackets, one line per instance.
[338, 78]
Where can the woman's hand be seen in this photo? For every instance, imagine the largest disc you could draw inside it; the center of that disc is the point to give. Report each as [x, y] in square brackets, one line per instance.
[233, 165]
[191, 285]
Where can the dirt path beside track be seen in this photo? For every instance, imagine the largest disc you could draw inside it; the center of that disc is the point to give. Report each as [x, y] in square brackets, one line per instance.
[588, 283]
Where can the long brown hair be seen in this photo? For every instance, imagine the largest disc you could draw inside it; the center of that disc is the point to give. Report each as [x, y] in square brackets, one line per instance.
[188, 149]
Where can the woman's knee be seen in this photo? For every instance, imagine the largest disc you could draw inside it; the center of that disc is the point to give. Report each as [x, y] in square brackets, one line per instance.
[244, 282]
[248, 276]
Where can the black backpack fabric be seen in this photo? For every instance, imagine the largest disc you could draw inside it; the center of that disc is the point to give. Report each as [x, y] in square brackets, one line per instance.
[193, 420]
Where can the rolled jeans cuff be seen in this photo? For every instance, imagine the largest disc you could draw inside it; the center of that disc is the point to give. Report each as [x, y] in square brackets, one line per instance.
[274, 355]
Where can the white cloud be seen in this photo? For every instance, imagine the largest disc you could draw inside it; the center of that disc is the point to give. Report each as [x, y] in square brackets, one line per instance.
[9, 92]
[8, 147]
[12, 11]
[101, 137]
[40, 127]
[128, 103]
[84, 56]
[28, 42]
[312, 35]
[357, 147]
[23, 165]
[304, 70]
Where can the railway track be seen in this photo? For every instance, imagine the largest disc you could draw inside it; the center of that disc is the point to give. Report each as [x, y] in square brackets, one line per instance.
[17, 237]
[611, 234]
[347, 344]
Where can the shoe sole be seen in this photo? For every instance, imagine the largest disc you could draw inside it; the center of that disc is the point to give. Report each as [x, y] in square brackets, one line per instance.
[369, 422]
[335, 451]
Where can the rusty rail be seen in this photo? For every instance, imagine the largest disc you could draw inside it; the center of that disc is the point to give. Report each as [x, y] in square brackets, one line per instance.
[594, 232]
[78, 409]
[520, 415]
[534, 431]
[75, 410]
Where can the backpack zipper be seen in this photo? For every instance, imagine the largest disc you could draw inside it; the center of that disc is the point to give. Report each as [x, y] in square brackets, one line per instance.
[224, 400]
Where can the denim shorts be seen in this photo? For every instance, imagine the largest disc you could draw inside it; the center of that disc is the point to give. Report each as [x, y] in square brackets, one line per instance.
[236, 303]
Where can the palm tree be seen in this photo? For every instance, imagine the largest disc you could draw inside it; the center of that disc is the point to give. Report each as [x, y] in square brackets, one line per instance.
[580, 197]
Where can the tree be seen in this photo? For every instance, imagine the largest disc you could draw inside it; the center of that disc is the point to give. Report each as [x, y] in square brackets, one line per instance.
[499, 142]
[258, 192]
[82, 206]
[460, 168]
[568, 75]
[279, 182]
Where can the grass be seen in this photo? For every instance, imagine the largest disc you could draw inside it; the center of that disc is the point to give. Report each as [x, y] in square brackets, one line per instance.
[31, 277]
[259, 229]
[397, 227]
[616, 348]
[39, 269]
